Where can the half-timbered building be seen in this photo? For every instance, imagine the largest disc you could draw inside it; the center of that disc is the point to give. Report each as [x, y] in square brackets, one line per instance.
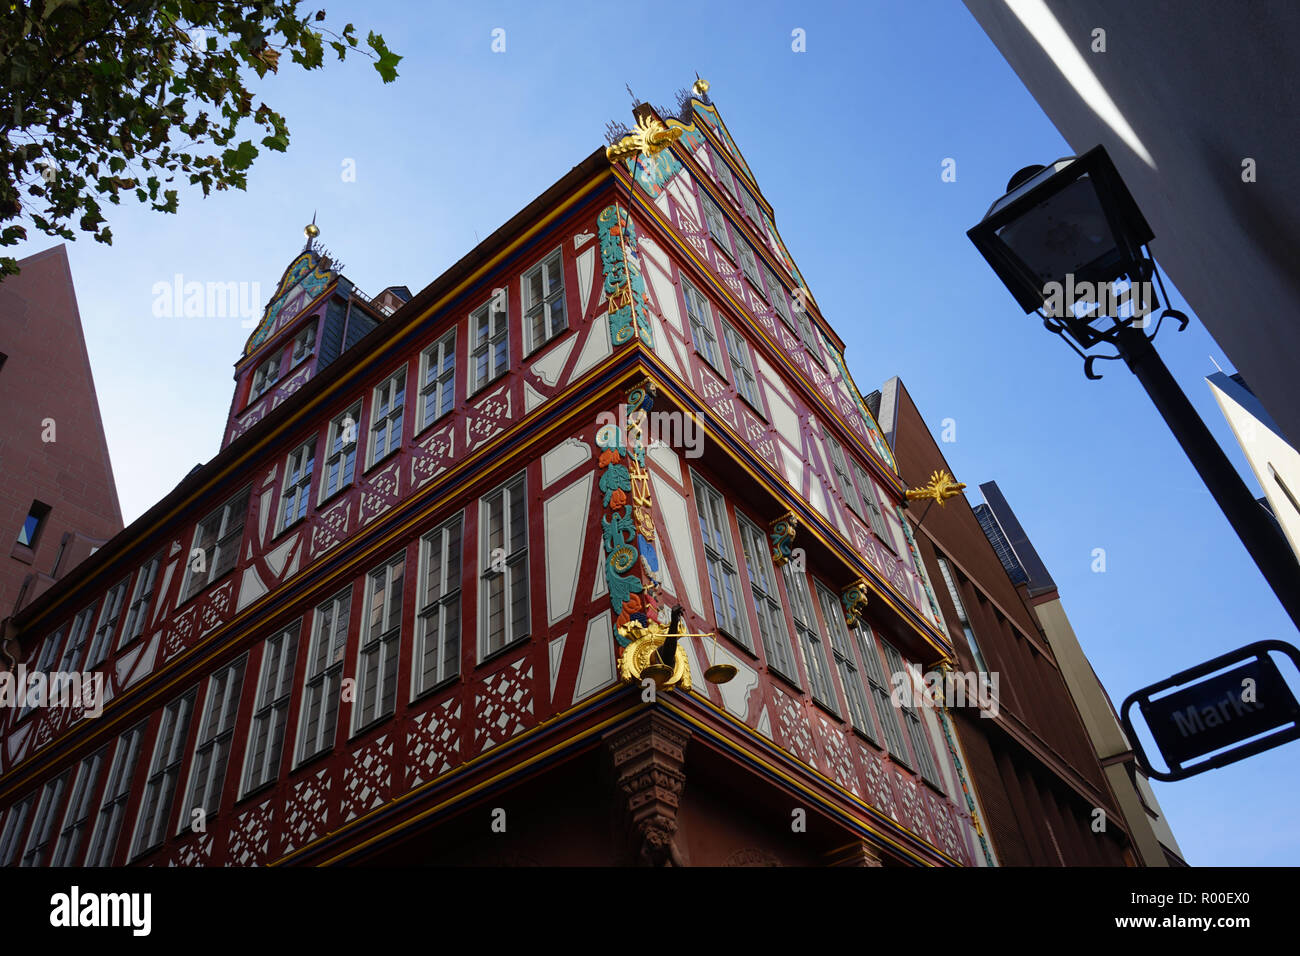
[421, 608]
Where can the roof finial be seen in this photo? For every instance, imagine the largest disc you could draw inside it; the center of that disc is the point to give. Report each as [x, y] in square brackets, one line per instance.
[701, 87]
[311, 231]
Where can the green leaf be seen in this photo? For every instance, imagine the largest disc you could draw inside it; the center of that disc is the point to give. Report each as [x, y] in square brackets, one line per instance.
[387, 60]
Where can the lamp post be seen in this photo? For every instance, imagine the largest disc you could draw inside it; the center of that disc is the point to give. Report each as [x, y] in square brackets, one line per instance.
[1060, 240]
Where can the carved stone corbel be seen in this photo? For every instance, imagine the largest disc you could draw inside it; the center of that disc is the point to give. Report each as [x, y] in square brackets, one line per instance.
[858, 853]
[649, 770]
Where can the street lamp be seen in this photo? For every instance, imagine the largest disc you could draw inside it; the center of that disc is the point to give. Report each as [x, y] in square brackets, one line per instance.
[1061, 240]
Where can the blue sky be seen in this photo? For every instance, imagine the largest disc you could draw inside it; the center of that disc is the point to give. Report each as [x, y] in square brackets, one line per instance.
[847, 141]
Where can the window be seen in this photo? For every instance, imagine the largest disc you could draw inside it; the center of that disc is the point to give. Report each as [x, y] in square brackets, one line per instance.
[341, 452]
[762, 583]
[80, 808]
[297, 483]
[748, 265]
[438, 379]
[807, 330]
[697, 309]
[304, 343]
[271, 709]
[872, 503]
[30, 532]
[504, 563]
[776, 295]
[386, 417]
[961, 614]
[266, 375]
[738, 350]
[842, 652]
[49, 653]
[842, 472]
[164, 773]
[108, 823]
[805, 626]
[320, 699]
[77, 638]
[879, 685]
[490, 340]
[722, 172]
[437, 636]
[380, 638]
[717, 224]
[108, 617]
[218, 537]
[140, 598]
[13, 831]
[912, 721]
[38, 841]
[212, 750]
[724, 581]
[751, 207]
[544, 302]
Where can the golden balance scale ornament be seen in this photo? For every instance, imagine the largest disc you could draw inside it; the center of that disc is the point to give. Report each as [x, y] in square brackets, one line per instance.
[653, 644]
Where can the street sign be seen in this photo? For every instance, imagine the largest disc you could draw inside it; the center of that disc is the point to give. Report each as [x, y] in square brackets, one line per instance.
[1201, 715]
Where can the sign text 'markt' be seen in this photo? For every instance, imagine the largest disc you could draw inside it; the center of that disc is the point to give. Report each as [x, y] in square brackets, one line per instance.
[1244, 702]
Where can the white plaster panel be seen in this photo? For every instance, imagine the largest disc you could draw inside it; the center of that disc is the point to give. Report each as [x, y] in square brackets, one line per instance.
[565, 519]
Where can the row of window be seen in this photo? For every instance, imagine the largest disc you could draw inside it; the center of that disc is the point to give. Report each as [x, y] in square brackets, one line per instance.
[503, 621]
[853, 651]
[732, 242]
[86, 643]
[545, 317]
[283, 362]
[435, 657]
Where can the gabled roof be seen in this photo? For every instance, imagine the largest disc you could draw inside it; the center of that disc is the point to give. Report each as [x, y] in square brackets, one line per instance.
[309, 274]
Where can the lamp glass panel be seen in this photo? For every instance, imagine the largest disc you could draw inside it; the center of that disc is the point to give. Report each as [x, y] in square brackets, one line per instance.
[1066, 234]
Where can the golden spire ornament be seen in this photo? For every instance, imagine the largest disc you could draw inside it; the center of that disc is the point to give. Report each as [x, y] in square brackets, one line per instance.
[701, 86]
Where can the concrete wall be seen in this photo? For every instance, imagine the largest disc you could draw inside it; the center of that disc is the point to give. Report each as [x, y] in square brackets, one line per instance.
[1185, 91]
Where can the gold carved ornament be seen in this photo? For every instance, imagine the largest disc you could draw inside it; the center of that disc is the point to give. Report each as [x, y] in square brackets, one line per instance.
[940, 488]
[648, 139]
[641, 658]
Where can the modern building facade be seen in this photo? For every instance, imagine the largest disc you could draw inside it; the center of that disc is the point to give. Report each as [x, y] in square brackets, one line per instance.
[1153, 839]
[422, 605]
[1053, 769]
[58, 501]
[1274, 461]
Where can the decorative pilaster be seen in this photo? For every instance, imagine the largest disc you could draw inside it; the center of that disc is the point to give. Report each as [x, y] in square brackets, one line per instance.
[627, 526]
[649, 770]
[624, 284]
[946, 666]
[935, 613]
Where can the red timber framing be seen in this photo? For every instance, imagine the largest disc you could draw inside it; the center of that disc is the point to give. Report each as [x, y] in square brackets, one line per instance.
[455, 695]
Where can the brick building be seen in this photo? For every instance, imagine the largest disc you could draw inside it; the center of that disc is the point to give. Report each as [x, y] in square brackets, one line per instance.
[57, 496]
